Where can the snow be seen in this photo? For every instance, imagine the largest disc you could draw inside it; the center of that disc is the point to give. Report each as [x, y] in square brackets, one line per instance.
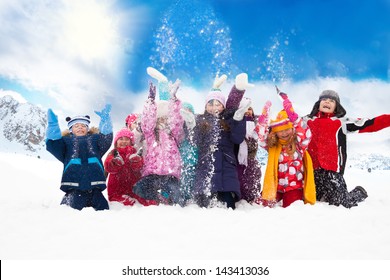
[34, 226]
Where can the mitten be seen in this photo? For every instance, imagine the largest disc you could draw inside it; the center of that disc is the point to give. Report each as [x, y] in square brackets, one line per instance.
[188, 117]
[134, 158]
[53, 131]
[152, 91]
[287, 105]
[218, 81]
[105, 125]
[264, 117]
[244, 105]
[154, 73]
[173, 88]
[118, 160]
[242, 82]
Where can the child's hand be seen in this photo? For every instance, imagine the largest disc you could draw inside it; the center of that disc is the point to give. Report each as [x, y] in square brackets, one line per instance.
[154, 73]
[118, 160]
[53, 131]
[264, 117]
[134, 158]
[173, 88]
[242, 82]
[218, 81]
[152, 91]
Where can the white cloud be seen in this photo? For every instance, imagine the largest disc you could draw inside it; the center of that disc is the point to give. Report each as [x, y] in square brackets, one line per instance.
[17, 96]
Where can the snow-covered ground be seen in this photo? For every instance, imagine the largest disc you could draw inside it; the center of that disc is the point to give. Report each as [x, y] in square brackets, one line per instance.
[35, 227]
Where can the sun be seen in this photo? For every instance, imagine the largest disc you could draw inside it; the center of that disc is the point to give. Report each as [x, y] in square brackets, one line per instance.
[89, 30]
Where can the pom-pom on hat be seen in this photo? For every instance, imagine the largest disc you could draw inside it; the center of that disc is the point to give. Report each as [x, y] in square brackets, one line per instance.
[216, 94]
[330, 94]
[78, 119]
[281, 122]
[124, 132]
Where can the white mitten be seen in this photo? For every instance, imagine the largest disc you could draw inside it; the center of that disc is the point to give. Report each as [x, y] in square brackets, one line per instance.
[244, 105]
[188, 117]
[242, 82]
[218, 81]
[154, 73]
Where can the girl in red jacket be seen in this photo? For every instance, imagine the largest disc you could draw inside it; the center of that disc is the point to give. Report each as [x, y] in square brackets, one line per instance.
[124, 168]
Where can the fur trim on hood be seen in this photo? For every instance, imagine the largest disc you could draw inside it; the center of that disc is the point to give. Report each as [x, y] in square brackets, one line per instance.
[92, 130]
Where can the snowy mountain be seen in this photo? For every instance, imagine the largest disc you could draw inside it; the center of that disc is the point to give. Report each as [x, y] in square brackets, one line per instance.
[22, 127]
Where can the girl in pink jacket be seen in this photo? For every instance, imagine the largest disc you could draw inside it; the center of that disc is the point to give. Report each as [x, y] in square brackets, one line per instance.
[162, 126]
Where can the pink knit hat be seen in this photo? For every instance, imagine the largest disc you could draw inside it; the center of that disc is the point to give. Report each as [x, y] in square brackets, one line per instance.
[124, 132]
[131, 118]
[217, 95]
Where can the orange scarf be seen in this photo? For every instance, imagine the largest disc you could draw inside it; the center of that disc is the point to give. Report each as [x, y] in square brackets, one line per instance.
[270, 184]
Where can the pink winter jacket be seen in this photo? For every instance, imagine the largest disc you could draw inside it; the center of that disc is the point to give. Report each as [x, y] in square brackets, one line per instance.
[162, 152]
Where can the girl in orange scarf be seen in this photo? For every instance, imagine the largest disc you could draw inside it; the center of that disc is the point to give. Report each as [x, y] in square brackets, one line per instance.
[289, 172]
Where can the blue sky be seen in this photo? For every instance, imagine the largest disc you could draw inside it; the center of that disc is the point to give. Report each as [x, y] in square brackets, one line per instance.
[90, 52]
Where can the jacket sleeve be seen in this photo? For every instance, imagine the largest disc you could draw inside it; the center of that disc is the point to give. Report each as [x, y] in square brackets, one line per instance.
[303, 133]
[105, 141]
[234, 99]
[369, 125]
[175, 120]
[149, 118]
[56, 148]
[109, 165]
[238, 131]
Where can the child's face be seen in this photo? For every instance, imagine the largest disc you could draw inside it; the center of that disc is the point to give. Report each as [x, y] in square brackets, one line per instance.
[249, 112]
[123, 142]
[132, 126]
[327, 105]
[214, 107]
[79, 129]
[285, 134]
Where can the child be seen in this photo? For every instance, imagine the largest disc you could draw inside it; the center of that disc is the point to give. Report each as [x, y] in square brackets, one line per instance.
[289, 173]
[217, 131]
[187, 148]
[124, 168]
[249, 170]
[133, 124]
[328, 148]
[162, 126]
[81, 149]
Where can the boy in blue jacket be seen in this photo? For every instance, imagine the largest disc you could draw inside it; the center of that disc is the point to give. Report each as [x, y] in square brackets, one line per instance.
[81, 150]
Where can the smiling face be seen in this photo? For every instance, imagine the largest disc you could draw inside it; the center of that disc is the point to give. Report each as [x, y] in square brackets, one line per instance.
[79, 129]
[285, 134]
[327, 105]
[123, 142]
[214, 107]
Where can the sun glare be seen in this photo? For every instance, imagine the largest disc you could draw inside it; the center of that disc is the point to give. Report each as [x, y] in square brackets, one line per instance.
[89, 30]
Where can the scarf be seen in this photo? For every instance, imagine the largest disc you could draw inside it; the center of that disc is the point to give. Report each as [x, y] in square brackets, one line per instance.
[243, 149]
[270, 184]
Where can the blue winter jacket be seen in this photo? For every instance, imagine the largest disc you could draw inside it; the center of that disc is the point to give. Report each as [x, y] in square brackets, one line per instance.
[82, 159]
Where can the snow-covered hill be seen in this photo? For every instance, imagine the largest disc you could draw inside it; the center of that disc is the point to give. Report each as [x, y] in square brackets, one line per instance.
[22, 127]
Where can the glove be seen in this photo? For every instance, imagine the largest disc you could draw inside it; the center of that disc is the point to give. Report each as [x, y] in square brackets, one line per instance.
[105, 125]
[173, 88]
[152, 91]
[189, 118]
[154, 73]
[53, 131]
[242, 82]
[244, 105]
[134, 158]
[287, 105]
[218, 81]
[264, 117]
[118, 160]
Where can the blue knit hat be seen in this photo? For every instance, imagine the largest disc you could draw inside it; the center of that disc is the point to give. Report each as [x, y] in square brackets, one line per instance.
[78, 119]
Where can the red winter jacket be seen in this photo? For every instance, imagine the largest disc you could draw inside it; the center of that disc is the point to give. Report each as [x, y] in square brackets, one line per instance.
[122, 178]
[328, 146]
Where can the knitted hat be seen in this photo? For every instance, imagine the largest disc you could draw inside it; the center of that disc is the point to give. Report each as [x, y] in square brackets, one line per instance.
[131, 119]
[188, 106]
[281, 122]
[78, 119]
[215, 94]
[124, 132]
[330, 94]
